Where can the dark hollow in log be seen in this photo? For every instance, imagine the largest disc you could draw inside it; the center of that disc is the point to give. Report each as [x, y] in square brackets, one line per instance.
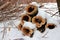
[31, 10]
[51, 26]
[42, 28]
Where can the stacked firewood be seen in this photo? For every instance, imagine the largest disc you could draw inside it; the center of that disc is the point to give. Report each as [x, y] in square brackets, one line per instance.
[35, 19]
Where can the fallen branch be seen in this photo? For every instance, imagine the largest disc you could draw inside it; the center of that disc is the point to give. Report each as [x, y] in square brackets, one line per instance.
[54, 14]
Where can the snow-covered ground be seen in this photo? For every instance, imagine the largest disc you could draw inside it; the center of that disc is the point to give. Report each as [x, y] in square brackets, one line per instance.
[9, 31]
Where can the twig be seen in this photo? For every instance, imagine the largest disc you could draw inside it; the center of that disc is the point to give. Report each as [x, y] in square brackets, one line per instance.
[4, 31]
[50, 13]
[4, 5]
[54, 14]
[8, 27]
[44, 35]
[11, 16]
[15, 25]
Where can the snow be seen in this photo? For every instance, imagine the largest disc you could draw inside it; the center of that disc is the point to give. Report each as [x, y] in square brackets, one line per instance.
[41, 13]
[1, 25]
[30, 25]
[50, 5]
[14, 33]
[53, 34]
[1, 33]
[16, 22]
[51, 20]
[35, 3]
